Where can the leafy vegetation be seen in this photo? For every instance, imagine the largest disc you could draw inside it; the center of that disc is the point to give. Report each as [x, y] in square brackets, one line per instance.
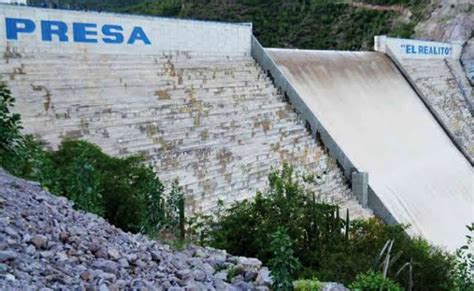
[328, 246]
[174, 220]
[372, 281]
[10, 127]
[97, 5]
[292, 24]
[123, 190]
[284, 226]
[307, 285]
[464, 270]
[305, 24]
[283, 264]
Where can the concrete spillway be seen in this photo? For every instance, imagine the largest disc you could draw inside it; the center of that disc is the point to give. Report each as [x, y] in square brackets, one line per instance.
[383, 127]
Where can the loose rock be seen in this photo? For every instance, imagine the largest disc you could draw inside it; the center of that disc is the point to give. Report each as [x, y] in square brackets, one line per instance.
[7, 256]
[48, 244]
[39, 241]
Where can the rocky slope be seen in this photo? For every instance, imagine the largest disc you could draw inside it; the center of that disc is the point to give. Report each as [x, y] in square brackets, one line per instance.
[452, 21]
[44, 242]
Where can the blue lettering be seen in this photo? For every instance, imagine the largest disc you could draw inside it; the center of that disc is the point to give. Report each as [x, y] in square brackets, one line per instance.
[138, 34]
[50, 28]
[18, 25]
[407, 49]
[81, 32]
[113, 33]
[54, 30]
[410, 49]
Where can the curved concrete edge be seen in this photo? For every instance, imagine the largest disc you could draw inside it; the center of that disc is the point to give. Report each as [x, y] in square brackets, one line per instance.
[428, 105]
[261, 56]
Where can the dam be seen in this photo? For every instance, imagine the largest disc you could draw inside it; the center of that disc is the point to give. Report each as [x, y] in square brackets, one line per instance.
[385, 129]
[202, 101]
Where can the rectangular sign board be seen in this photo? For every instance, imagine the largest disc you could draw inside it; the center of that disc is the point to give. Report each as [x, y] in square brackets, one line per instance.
[417, 49]
[25, 29]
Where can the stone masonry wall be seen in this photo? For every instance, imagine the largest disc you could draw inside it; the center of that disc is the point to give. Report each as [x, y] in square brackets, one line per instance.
[216, 123]
[445, 85]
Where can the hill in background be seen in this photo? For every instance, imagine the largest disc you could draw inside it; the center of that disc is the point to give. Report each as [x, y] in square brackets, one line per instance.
[305, 24]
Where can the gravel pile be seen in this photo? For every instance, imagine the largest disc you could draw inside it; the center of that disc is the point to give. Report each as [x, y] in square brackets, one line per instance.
[45, 243]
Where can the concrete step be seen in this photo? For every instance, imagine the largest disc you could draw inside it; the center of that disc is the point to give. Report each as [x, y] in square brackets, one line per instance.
[219, 124]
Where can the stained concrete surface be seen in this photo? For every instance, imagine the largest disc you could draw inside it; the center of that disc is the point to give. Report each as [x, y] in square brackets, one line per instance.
[384, 128]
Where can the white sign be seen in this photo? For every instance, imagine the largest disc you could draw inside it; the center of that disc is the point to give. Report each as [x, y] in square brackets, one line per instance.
[411, 49]
[51, 30]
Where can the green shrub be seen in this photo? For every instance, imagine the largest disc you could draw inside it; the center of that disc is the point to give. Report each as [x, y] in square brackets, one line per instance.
[123, 190]
[174, 212]
[307, 285]
[289, 24]
[283, 264]
[20, 155]
[10, 123]
[245, 227]
[372, 281]
[464, 270]
[329, 247]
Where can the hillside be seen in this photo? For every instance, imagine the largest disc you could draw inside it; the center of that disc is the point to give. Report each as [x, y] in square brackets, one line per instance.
[46, 243]
[306, 24]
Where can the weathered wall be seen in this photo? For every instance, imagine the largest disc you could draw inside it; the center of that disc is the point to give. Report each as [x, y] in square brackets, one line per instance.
[214, 120]
[441, 82]
[97, 33]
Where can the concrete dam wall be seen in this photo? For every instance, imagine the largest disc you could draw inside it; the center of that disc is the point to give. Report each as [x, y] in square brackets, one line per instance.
[203, 102]
[190, 99]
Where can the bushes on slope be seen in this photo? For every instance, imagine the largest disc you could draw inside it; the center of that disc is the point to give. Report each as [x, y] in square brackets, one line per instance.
[123, 190]
[329, 247]
[129, 194]
[10, 126]
[464, 269]
[283, 264]
[372, 281]
[307, 285]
